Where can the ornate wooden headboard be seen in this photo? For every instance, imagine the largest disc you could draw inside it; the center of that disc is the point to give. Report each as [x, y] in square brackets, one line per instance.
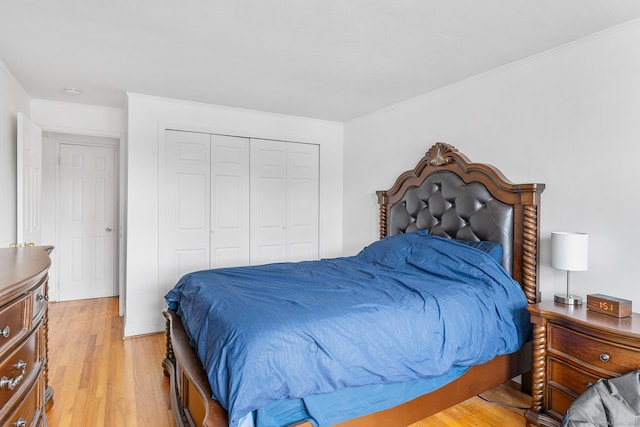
[454, 198]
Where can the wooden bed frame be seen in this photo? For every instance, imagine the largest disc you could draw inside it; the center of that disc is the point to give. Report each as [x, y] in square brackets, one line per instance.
[403, 208]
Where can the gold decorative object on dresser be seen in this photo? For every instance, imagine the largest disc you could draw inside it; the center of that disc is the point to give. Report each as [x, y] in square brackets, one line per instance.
[24, 391]
[572, 348]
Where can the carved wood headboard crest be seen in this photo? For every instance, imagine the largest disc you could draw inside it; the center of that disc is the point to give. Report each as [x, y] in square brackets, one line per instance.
[438, 154]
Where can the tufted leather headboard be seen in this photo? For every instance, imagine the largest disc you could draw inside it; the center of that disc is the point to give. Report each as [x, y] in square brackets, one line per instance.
[452, 197]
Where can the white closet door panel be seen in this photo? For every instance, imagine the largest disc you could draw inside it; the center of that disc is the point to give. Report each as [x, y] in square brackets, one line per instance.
[229, 201]
[302, 201]
[270, 193]
[190, 206]
[267, 254]
[268, 201]
[186, 204]
[188, 260]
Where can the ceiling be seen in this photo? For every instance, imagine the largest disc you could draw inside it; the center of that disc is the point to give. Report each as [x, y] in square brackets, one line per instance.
[327, 59]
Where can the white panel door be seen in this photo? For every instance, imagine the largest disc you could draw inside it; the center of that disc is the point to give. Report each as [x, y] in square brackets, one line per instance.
[185, 203]
[29, 182]
[229, 201]
[303, 170]
[268, 201]
[87, 212]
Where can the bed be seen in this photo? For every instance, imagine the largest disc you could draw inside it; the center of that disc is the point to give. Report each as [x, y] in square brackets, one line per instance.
[430, 211]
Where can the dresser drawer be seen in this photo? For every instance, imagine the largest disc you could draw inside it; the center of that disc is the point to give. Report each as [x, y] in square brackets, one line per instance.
[18, 367]
[28, 412]
[14, 323]
[39, 301]
[598, 353]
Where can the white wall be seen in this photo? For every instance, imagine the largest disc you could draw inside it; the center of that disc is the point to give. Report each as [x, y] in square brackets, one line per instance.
[13, 99]
[83, 119]
[148, 117]
[569, 118]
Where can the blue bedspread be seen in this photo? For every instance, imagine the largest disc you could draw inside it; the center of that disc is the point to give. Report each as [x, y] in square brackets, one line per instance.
[407, 307]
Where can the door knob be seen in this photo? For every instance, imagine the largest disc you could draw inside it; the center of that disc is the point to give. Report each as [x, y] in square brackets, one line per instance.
[108, 229]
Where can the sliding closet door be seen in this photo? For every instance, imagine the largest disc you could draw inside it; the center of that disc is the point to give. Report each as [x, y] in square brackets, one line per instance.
[229, 201]
[185, 199]
[303, 171]
[284, 201]
[268, 201]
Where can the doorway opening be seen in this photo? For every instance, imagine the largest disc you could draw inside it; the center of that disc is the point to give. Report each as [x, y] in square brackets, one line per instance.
[81, 214]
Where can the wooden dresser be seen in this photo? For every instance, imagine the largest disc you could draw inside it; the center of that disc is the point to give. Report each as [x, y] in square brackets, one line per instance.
[572, 348]
[23, 336]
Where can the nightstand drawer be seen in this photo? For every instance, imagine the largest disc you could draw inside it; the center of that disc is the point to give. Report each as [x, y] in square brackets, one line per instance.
[559, 402]
[599, 353]
[566, 376]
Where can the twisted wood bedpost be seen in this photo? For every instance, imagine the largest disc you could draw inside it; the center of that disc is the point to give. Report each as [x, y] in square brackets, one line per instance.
[530, 253]
[383, 220]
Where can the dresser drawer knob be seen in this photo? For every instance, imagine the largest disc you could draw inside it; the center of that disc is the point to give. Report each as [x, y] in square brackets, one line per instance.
[6, 331]
[12, 383]
[43, 297]
[604, 357]
[20, 423]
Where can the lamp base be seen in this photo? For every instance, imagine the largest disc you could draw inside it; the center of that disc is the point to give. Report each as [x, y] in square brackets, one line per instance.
[568, 299]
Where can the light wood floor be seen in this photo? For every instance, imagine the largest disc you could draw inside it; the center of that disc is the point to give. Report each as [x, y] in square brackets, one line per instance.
[100, 379]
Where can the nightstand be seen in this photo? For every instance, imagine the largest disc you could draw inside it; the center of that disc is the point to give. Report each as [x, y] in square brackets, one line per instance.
[572, 348]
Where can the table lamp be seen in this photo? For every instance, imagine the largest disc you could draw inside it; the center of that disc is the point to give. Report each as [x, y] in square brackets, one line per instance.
[569, 251]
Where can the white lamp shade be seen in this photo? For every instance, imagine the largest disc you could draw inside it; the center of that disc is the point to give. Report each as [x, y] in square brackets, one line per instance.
[569, 251]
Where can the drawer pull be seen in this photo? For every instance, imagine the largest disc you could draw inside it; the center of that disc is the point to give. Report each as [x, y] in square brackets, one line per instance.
[43, 297]
[6, 331]
[20, 423]
[605, 357]
[12, 383]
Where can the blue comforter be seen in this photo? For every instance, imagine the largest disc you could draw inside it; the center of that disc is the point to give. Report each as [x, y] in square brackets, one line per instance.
[407, 307]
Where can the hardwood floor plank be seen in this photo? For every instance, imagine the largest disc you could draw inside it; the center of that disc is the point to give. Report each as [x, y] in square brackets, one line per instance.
[99, 379]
